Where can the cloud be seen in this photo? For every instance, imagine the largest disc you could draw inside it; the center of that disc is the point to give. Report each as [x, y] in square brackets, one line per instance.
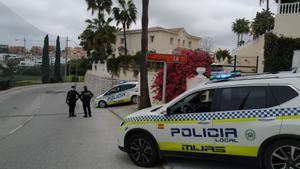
[205, 18]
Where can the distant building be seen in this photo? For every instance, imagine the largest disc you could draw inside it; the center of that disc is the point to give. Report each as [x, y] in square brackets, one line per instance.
[161, 40]
[75, 53]
[287, 23]
[3, 48]
[16, 49]
[36, 51]
[52, 50]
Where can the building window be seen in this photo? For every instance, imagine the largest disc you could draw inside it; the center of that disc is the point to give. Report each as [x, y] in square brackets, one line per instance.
[171, 41]
[178, 42]
[152, 38]
[190, 44]
[122, 40]
[183, 43]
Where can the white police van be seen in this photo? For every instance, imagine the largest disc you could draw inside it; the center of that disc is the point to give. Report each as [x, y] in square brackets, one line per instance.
[122, 93]
[252, 116]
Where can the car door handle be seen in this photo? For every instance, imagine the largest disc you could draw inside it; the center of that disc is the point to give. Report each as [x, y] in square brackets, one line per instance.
[266, 119]
[204, 122]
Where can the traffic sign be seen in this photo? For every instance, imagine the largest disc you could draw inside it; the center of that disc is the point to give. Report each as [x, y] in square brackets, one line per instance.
[166, 58]
[169, 58]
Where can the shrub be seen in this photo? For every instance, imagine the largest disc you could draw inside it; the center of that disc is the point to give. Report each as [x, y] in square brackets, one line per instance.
[178, 73]
[279, 52]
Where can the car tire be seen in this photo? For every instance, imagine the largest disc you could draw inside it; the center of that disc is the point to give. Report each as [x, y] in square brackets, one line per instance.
[283, 154]
[102, 104]
[134, 99]
[142, 150]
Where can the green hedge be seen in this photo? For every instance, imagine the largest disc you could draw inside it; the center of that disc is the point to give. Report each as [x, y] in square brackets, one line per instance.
[279, 52]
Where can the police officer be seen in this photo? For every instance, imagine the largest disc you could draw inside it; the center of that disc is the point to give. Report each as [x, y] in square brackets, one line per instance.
[85, 97]
[72, 97]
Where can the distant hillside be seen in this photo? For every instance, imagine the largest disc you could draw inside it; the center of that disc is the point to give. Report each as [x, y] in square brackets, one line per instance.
[13, 27]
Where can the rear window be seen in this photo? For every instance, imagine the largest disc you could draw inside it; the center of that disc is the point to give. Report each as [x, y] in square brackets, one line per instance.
[283, 94]
[127, 87]
[244, 98]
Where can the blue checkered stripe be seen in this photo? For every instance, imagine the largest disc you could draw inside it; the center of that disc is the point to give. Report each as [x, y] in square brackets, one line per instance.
[218, 115]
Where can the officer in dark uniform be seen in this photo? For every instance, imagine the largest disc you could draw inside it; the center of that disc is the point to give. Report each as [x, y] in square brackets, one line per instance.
[85, 97]
[72, 97]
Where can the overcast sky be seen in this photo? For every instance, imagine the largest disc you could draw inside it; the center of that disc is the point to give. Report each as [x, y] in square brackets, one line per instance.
[204, 18]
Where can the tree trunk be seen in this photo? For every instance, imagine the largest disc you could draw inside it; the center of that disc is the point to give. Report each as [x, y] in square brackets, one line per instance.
[144, 101]
[241, 37]
[238, 42]
[268, 5]
[125, 40]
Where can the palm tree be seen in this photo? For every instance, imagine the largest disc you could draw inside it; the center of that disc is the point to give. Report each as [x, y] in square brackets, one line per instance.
[99, 35]
[267, 3]
[144, 90]
[236, 30]
[240, 27]
[125, 15]
[99, 6]
[245, 28]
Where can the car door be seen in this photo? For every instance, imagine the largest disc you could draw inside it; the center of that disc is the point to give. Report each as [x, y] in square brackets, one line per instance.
[125, 92]
[250, 112]
[188, 126]
[110, 96]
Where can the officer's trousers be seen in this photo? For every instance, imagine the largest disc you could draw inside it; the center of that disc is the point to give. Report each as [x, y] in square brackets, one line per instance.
[72, 109]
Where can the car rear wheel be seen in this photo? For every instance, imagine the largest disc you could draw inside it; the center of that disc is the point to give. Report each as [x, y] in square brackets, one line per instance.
[102, 104]
[284, 154]
[142, 150]
[134, 99]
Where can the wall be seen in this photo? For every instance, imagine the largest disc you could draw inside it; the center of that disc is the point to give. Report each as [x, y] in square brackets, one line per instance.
[161, 42]
[287, 20]
[98, 80]
[287, 25]
[251, 50]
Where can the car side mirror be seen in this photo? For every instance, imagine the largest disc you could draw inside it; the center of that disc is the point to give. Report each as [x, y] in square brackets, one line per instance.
[166, 112]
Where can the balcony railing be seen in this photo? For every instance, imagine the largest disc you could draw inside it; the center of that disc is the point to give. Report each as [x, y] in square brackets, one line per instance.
[289, 8]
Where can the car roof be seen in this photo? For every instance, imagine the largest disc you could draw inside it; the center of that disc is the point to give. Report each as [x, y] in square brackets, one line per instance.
[126, 83]
[267, 78]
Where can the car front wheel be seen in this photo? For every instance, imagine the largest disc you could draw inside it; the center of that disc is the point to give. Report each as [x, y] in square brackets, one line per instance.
[102, 104]
[134, 99]
[284, 154]
[142, 150]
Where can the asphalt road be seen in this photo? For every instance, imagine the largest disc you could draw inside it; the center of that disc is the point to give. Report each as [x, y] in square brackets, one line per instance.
[36, 133]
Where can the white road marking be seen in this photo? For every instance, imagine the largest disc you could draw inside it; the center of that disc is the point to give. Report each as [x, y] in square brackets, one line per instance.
[20, 126]
[14, 130]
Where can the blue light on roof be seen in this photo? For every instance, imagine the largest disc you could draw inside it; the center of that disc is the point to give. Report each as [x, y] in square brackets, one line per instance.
[225, 76]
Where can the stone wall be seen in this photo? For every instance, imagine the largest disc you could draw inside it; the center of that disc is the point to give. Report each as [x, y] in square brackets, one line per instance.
[98, 80]
[97, 84]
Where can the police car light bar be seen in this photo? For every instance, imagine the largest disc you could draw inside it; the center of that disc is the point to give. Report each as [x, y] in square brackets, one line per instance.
[225, 76]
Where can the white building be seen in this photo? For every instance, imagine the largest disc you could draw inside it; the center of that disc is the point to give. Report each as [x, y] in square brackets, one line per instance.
[161, 40]
[287, 23]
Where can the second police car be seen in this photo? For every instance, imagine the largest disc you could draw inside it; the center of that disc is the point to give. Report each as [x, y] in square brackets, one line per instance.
[252, 116]
[121, 93]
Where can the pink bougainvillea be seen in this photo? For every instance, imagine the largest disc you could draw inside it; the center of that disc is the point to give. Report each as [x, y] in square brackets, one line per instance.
[178, 73]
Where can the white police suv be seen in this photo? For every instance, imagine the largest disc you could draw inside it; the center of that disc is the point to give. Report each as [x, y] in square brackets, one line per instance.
[122, 93]
[252, 116]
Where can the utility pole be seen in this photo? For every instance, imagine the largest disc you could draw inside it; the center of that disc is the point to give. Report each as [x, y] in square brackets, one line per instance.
[24, 45]
[76, 72]
[66, 58]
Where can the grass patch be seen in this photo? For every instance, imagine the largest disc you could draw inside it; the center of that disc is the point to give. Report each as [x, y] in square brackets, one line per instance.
[23, 80]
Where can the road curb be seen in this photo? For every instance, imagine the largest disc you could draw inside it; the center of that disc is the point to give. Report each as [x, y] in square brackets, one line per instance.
[115, 113]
